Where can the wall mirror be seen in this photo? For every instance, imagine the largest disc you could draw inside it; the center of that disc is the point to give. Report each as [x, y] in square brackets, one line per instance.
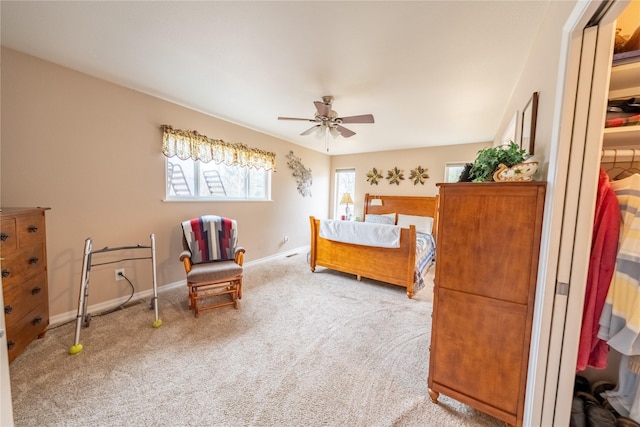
[528, 124]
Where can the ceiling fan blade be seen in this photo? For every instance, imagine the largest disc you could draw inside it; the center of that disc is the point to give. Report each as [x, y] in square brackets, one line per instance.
[296, 118]
[365, 118]
[323, 109]
[310, 130]
[346, 133]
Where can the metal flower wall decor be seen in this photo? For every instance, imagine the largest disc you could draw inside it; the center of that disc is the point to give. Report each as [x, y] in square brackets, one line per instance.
[373, 176]
[418, 175]
[300, 173]
[395, 175]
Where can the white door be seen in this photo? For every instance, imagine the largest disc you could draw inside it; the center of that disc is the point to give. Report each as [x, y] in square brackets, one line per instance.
[6, 409]
[590, 59]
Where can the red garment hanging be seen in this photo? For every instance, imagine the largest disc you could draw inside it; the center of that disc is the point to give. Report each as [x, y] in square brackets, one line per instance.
[593, 351]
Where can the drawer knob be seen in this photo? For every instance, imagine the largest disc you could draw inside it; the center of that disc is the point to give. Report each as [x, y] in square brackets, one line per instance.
[36, 321]
[10, 345]
[5, 274]
[8, 309]
[32, 229]
[4, 237]
[33, 260]
[36, 290]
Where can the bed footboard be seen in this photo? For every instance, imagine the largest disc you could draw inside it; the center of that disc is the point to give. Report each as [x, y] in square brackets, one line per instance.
[390, 265]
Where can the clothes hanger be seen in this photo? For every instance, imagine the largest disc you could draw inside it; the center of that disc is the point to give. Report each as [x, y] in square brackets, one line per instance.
[631, 170]
[614, 166]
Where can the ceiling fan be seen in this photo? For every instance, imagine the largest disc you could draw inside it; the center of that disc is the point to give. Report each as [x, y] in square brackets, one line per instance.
[328, 120]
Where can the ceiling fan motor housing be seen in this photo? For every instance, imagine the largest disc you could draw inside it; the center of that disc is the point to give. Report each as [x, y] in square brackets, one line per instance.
[331, 118]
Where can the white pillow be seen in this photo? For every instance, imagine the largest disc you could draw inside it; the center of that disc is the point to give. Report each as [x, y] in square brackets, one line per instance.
[423, 224]
[389, 218]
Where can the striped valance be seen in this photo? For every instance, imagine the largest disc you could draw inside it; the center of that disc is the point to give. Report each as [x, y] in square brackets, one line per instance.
[191, 145]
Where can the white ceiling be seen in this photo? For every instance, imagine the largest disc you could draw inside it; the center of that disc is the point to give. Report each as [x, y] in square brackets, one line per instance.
[431, 72]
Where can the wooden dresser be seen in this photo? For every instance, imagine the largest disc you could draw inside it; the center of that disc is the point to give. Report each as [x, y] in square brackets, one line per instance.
[485, 281]
[24, 276]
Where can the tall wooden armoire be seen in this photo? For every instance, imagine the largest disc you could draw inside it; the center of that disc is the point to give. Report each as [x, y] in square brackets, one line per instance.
[485, 281]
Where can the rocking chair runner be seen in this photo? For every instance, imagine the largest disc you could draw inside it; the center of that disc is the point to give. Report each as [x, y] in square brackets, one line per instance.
[213, 262]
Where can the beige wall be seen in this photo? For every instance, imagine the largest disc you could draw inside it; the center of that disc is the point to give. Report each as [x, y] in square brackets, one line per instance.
[90, 150]
[433, 159]
[541, 74]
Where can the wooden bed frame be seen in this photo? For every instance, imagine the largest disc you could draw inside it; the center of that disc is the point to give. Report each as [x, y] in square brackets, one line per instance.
[390, 265]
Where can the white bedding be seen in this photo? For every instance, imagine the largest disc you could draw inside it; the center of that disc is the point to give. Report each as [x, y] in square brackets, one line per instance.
[361, 233]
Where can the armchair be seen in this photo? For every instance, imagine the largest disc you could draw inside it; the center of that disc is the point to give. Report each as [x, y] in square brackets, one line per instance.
[212, 262]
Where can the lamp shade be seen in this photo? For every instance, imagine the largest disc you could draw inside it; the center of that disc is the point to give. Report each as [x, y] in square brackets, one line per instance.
[321, 130]
[346, 199]
[334, 132]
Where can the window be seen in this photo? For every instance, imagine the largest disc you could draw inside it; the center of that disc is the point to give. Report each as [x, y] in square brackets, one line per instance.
[452, 171]
[345, 184]
[199, 167]
[195, 180]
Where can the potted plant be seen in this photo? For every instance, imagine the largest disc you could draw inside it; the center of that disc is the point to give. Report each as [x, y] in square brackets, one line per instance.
[497, 164]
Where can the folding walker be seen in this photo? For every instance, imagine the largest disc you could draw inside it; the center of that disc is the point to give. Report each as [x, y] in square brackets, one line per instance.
[84, 284]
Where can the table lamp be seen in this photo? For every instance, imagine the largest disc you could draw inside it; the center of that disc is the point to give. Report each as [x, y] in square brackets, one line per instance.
[346, 200]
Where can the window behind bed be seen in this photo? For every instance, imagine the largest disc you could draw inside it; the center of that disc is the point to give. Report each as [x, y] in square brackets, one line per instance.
[345, 182]
[453, 170]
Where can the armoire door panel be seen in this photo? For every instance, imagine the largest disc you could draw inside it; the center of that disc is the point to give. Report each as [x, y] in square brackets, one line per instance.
[496, 367]
[501, 244]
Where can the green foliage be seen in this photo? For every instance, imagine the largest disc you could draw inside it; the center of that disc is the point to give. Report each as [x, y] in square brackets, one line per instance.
[465, 174]
[488, 159]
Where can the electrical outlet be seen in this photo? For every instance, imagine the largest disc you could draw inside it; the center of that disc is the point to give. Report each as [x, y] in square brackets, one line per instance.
[119, 274]
[286, 239]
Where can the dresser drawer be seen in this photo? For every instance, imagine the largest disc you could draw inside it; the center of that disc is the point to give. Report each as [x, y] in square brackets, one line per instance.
[24, 276]
[22, 264]
[30, 229]
[21, 298]
[25, 330]
[8, 237]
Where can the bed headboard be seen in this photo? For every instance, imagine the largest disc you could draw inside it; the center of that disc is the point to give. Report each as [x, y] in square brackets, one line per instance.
[408, 205]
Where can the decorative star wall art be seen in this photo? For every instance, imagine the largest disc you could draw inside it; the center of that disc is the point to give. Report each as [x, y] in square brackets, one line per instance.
[395, 175]
[373, 176]
[418, 175]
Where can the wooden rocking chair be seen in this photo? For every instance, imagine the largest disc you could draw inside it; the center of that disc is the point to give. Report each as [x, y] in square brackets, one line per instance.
[211, 280]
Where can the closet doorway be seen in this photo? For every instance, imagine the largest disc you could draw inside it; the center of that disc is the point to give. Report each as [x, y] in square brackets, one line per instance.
[578, 161]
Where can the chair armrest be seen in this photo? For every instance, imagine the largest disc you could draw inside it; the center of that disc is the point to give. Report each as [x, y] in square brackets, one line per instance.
[239, 255]
[185, 257]
[185, 254]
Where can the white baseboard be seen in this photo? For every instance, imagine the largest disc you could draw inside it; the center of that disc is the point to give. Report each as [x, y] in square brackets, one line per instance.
[299, 250]
[107, 305]
[147, 294]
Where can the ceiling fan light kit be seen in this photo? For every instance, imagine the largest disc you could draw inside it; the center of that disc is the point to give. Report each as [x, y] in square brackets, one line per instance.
[328, 122]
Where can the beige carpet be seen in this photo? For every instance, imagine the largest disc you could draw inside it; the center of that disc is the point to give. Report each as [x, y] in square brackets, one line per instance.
[303, 349]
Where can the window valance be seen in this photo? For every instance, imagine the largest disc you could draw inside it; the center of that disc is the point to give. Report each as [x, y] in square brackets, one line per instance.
[191, 145]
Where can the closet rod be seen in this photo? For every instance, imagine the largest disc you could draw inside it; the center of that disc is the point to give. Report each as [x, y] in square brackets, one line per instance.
[622, 155]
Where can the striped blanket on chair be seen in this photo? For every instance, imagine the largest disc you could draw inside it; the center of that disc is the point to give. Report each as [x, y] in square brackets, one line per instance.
[210, 238]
